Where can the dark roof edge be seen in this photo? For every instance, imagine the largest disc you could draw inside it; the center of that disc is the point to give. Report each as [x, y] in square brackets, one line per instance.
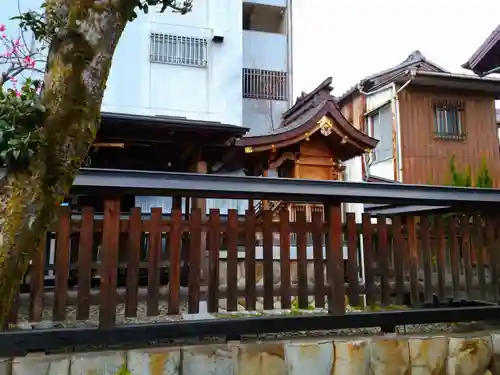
[483, 49]
[207, 125]
[327, 83]
[415, 57]
[373, 178]
[388, 209]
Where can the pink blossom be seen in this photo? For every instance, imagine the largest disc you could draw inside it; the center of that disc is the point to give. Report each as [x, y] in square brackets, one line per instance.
[29, 62]
[17, 43]
[2, 28]
[4, 36]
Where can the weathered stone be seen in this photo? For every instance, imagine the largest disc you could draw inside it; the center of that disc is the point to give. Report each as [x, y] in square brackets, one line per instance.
[106, 363]
[209, 360]
[257, 359]
[154, 362]
[495, 341]
[39, 365]
[390, 356]
[312, 357]
[469, 356]
[5, 365]
[428, 355]
[352, 357]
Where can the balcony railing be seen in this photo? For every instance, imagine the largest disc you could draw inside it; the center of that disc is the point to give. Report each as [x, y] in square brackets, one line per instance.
[265, 84]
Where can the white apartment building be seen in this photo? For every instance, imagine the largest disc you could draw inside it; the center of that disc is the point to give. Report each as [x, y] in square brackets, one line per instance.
[228, 61]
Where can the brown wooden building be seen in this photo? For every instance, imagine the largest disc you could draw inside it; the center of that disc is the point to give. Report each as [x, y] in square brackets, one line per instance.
[423, 115]
[160, 144]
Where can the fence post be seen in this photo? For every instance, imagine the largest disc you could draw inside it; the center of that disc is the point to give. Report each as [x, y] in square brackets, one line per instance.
[335, 259]
[109, 262]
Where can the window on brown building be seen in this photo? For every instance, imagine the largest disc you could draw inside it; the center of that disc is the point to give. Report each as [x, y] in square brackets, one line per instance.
[380, 127]
[449, 121]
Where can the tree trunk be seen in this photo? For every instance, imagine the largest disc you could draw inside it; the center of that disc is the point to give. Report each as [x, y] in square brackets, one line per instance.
[77, 70]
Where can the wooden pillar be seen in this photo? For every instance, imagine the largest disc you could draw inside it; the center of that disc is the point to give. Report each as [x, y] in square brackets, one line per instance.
[187, 207]
[265, 202]
[176, 203]
[201, 203]
[251, 202]
[334, 258]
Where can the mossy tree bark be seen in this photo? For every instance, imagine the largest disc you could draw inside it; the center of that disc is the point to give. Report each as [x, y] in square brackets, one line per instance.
[78, 67]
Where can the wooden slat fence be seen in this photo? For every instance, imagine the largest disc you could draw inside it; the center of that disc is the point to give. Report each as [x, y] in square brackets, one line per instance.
[133, 264]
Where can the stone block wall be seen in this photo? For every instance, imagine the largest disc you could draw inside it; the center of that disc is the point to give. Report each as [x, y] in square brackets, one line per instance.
[472, 354]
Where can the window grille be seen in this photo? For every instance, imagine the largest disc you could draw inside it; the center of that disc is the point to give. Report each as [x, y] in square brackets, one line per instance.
[264, 84]
[448, 121]
[178, 50]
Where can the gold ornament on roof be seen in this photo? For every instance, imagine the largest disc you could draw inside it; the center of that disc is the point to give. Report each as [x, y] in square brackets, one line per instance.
[325, 126]
[248, 150]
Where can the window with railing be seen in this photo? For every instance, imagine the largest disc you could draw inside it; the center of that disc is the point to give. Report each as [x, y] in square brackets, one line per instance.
[449, 121]
[178, 50]
[264, 84]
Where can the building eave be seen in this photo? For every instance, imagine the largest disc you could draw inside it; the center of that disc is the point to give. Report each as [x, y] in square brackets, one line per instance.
[174, 123]
[478, 61]
[453, 81]
[415, 59]
[351, 142]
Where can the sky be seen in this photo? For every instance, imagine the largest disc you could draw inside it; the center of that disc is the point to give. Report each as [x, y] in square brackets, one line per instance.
[352, 39]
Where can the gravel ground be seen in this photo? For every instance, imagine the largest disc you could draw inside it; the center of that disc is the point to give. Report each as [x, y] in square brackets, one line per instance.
[71, 321]
[164, 317]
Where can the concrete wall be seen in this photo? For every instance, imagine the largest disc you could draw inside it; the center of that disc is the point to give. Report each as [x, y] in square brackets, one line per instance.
[211, 93]
[254, 42]
[262, 116]
[474, 354]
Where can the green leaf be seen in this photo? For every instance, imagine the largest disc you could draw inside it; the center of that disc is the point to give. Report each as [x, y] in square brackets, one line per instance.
[16, 154]
[145, 8]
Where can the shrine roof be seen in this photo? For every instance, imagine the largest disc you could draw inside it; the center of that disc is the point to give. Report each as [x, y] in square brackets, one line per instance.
[312, 112]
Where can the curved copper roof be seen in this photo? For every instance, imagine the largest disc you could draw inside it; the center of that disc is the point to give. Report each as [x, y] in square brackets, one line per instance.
[310, 113]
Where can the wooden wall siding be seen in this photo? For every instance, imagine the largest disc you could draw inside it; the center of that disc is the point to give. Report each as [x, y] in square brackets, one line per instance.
[425, 159]
[354, 111]
[108, 270]
[316, 160]
[347, 111]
